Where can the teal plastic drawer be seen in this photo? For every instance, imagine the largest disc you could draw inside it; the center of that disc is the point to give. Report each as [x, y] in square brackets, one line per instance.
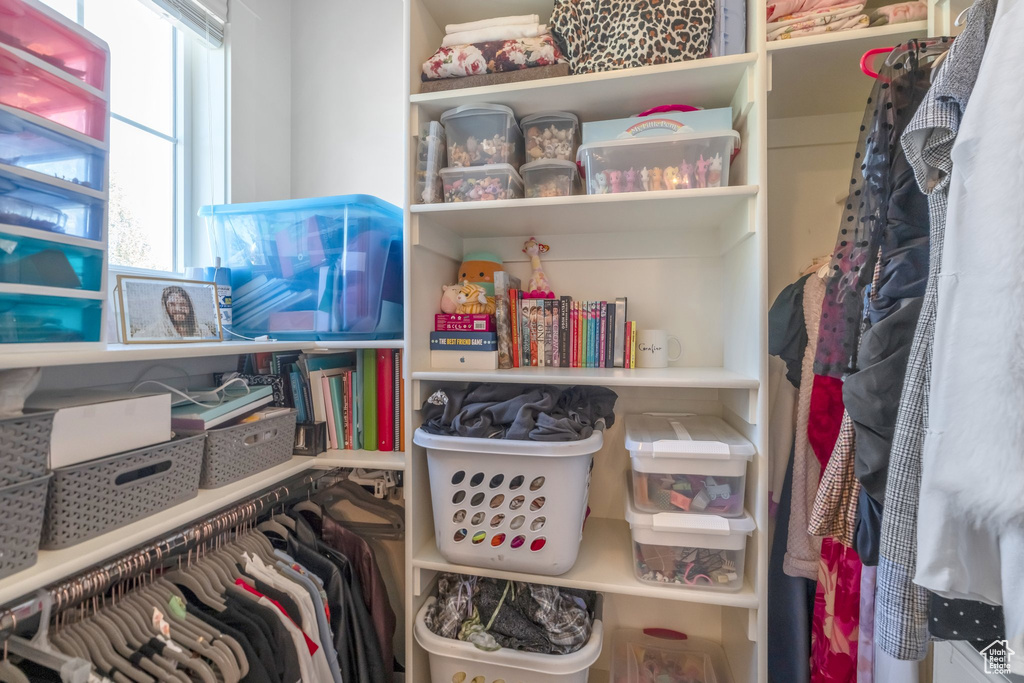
[30, 261]
[39, 147]
[32, 319]
[50, 207]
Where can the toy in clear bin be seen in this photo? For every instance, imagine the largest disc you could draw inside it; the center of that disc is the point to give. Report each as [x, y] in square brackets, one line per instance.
[691, 493]
[478, 135]
[658, 655]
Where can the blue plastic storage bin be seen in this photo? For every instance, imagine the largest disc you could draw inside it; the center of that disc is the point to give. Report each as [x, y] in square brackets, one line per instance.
[27, 318]
[39, 147]
[29, 261]
[321, 269]
[49, 206]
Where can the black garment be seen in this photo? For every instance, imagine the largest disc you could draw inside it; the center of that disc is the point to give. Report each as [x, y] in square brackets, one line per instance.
[790, 604]
[286, 658]
[257, 670]
[787, 334]
[511, 411]
[872, 394]
[965, 620]
[867, 535]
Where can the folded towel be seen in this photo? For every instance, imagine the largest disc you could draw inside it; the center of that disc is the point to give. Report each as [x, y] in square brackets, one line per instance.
[488, 23]
[486, 35]
[810, 29]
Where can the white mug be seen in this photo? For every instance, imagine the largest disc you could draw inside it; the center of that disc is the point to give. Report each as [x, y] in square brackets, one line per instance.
[652, 349]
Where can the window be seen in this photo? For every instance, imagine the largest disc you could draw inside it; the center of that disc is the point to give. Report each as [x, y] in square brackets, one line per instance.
[150, 77]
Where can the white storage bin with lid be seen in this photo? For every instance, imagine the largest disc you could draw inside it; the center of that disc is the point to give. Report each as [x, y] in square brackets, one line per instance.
[550, 178]
[512, 505]
[551, 135]
[481, 183]
[688, 463]
[703, 552]
[461, 662]
[657, 654]
[481, 134]
[678, 161]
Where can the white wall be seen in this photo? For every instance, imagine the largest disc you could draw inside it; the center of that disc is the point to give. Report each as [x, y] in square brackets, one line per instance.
[347, 89]
[260, 100]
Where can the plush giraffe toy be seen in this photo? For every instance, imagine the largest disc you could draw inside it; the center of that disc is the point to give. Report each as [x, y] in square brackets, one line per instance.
[540, 288]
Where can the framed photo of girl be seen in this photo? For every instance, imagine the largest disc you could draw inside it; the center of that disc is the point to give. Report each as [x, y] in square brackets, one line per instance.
[156, 310]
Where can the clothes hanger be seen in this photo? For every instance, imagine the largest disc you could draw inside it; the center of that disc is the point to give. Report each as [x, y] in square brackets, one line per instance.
[208, 642]
[354, 494]
[10, 673]
[41, 652]
[121, 647]
[178, 636]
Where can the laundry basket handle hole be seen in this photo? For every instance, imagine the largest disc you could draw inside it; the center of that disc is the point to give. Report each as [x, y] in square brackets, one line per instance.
[142, 473]
[260, 437]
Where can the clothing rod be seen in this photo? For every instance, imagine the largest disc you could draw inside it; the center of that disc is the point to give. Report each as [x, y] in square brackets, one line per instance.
[96, 581]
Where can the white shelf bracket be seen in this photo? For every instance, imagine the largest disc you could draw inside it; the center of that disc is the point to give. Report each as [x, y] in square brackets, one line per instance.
[768, 72]
[752, 625]
[422, 580]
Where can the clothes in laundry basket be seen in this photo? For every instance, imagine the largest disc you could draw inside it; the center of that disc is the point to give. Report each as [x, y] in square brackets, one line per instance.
[509, 411]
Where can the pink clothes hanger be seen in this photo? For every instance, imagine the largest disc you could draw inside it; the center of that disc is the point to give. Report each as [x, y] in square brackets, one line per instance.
[865, 61]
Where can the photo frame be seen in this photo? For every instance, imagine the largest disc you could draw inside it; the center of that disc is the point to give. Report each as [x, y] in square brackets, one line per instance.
[157, 310]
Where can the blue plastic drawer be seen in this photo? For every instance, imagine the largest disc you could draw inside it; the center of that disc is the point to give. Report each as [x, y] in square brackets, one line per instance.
[328, 268]
[27, 318]
[44, 206]
[38, 148]
[29, 261]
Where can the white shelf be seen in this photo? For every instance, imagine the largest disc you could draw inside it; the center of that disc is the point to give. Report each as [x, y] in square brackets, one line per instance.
[589, 214]
[41, 290]
[121, 353]
[605, 564]
[686, 378]
[381, 460]
[55, 565]
[705, 82]
[821, 74]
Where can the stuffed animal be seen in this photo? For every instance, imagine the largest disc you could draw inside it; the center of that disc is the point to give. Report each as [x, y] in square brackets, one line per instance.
[614, 181]
[539, 286]
[685, 175]
[715, 171]
[656, 179]
[600, 183]
[472, 299]
[702, 171]
[450, 298]
[645, 178]
[479, 268]
[631, 179]
[671, 178]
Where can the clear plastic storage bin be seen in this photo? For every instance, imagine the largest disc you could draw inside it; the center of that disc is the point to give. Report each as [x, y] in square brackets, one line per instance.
[430, 159]
[43, 148]
[703, 552]
[27, 318]
[550, 178]
[38, 91]
[511, 505]
[664, 162]
[459, 661]
[28, 261]
[654, 655]
[326, 268]
[481, 183]
[552, 135]
[49, 206]
[688, 463]
[482, 134]
[28, 26]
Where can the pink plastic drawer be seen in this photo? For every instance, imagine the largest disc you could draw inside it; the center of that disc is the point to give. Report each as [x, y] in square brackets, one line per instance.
[30, 88]
[28, 26]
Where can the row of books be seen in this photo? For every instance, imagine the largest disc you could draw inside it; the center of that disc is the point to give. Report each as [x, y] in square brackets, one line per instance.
[359, 394]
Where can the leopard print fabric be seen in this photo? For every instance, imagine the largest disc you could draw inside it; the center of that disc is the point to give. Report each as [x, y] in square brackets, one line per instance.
[604, 35]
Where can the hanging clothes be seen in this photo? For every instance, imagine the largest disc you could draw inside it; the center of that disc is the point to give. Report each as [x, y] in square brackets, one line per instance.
[901, 609]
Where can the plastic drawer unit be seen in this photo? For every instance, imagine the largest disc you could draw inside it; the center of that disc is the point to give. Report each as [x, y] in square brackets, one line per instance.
[31, 318]
[50, 206]
[42, 263]
[35, 144]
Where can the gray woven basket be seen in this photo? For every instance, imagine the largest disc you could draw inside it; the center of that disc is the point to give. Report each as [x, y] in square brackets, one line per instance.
[24, 447]
[241, 451]
[21, 518]
[94, 497]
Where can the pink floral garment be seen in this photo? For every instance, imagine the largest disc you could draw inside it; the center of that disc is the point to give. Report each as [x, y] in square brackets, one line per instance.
[835, 629]
[493, 57]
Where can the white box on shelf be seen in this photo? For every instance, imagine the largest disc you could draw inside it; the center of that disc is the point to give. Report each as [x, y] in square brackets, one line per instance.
[92, 424]
[464, 360]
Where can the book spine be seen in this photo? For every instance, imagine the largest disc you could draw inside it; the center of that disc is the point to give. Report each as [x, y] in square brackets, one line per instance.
[556, 338]
[526, 337]
[501, 317]
[295, 384]
[595, 333]
[549, 348]
[396, 367]
[385, 389]
[563, 332]
[332, 424]
[609, 344]
[541, 341]
[369, 399]
[580, 323]
[347, 377]
[602, 341]
[591, 318]
[632, 344]
[620, 332]
[513, 300]
[534, 332]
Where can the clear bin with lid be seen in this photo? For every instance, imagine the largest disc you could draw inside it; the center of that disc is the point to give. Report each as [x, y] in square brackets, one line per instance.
[52, 206]
[703, 552]
[481, 134]
[678, 161]
[481, 183]
[551, 135]
[687, 463]
[656, 654]
[30, 26]
[44, 147]
[550, 178]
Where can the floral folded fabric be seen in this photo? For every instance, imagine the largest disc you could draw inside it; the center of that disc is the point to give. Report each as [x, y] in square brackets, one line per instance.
[493, 57]
[900, 13]
[821, 25]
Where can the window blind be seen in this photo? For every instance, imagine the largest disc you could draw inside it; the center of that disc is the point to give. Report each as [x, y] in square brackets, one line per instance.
[204, 18]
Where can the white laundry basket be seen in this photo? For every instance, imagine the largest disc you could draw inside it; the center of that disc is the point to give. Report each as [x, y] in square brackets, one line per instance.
[458, 661]
[510, 505]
